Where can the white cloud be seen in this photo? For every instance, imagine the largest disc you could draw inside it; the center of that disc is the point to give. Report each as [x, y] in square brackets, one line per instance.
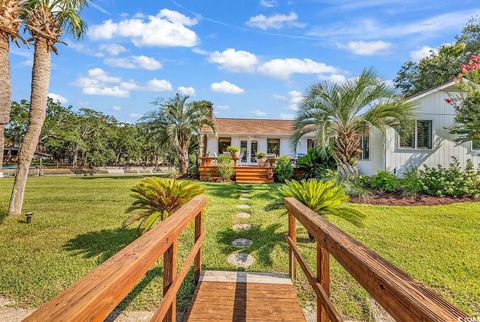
[57, 97]
[268, 3]
[226, 87]
[200, 51]
[371, 29]
[135, 115]
[234, 60]
[159, 85]
[166, 29]
[277, 21]
[190, 91]
[259, 113]
[99, 82]
[422, 52]
[134, 62]
[366, 48]
[117, 108]
[334, 78]
[113, 49]
[295, 97]
[222, 107]
[283, 68]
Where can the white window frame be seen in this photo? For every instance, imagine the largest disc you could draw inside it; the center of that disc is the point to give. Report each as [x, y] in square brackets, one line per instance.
[362, 138]
[473, 149]
[415, 133]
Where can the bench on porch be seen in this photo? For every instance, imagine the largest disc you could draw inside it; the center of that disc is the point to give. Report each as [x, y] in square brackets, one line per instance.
[232, 296]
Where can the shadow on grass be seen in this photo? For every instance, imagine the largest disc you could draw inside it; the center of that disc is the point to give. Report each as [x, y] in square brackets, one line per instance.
[102, 244]
[3, 214]
[264, 241]
[226, 190]
[138, 176]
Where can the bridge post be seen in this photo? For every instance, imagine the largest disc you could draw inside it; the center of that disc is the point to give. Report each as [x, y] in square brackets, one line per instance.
[323, 277]
[198, 258]
[169, 273]
[292, 233]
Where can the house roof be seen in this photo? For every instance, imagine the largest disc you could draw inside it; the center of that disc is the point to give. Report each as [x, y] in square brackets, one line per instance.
[251, 127]
[447, 85]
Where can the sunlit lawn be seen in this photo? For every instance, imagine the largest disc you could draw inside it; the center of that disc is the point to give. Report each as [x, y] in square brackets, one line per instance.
[77, 225]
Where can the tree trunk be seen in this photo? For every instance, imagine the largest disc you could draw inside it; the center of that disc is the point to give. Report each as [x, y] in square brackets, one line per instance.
[183, 162]
[5, 91]
[38, 106]
[347, 152]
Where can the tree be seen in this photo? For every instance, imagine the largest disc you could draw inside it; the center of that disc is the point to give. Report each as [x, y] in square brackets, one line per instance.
[467, 103]
[342, 111]
[9, 26]
[46, 20]
[177, 124]
[442, 66]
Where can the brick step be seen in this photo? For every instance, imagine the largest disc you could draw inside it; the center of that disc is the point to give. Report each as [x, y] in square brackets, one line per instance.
[255, 181]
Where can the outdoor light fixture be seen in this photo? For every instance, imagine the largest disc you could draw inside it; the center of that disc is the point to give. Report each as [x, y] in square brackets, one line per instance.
[28, 217]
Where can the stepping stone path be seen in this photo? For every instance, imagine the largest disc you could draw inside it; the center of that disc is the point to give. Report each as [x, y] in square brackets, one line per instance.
[243, 198]
[243, 215]
[242, 227]
[243, 206]
[243, 260]
[241, 242]
[244, 195]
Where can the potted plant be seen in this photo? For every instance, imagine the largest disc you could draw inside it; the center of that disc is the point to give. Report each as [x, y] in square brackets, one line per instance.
[261, 158]
[234, 151]
[208, 160]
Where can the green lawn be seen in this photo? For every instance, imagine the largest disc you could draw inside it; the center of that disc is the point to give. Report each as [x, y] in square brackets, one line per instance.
[77, 225]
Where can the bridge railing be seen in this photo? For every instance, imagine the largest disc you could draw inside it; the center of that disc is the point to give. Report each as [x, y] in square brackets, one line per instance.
[401, 296]
[94, 296]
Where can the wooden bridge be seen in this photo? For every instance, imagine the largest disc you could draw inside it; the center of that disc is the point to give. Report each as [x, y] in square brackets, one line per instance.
[240, 296]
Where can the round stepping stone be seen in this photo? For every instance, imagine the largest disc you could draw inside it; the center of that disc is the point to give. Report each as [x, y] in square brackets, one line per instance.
[245, 195]
[243, 206]
[243, 198]
[241, 242]
[243, 260]
[243, 215]
[242, 227]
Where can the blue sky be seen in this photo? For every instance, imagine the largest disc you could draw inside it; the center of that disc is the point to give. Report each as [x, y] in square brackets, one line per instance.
[251, 58]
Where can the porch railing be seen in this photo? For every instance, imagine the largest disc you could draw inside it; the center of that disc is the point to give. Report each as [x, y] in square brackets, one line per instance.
[94, 296]
[402, 297]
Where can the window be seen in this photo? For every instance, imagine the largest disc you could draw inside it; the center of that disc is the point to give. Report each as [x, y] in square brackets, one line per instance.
[420, 138]
[364, 145]
[253, 150]
[476, 145]
[310, 144]
[223, 144]
[273, 146]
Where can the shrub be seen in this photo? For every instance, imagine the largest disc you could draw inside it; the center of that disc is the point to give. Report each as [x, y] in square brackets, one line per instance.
[325, 198]
[451, 181]
[283, 169]
[233, 149]
[356, 186]
[261, 155]
[225, 166]
[384, 181]
[157, 198]
[411, 184]
[316, 163]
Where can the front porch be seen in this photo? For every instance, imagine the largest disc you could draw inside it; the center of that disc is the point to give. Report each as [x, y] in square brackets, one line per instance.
[208, 171]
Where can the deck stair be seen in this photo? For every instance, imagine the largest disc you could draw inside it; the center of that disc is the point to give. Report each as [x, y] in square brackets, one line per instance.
[242, 296]
[253, 174]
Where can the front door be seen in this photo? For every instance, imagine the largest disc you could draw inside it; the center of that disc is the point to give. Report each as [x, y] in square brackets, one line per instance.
[248, 151]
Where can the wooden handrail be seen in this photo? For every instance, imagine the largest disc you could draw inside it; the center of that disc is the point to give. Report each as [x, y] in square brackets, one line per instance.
[94, 296]
[401, 296]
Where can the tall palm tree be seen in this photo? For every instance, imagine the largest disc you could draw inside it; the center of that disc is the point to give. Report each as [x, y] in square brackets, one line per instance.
[9, 26]
[343, 111]
[177, 123]
[46, 20]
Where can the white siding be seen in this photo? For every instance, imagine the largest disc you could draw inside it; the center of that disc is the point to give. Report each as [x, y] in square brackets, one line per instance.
[431, 107]
[377, 154]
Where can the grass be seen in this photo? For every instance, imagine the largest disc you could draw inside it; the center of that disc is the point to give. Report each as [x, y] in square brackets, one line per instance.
[77, 225]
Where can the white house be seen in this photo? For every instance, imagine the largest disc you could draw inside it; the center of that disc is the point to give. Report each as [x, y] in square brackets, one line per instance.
[431, 143]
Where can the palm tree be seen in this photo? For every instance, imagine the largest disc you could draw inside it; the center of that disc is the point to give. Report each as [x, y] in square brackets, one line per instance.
[46, 20]
[343, 111]
[9, 26]
[157, 198]
[177, 123]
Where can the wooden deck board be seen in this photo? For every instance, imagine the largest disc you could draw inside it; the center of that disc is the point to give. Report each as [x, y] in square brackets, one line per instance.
[229, 296]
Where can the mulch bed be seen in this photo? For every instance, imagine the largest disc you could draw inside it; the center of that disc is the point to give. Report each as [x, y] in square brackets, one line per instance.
[397, 200]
